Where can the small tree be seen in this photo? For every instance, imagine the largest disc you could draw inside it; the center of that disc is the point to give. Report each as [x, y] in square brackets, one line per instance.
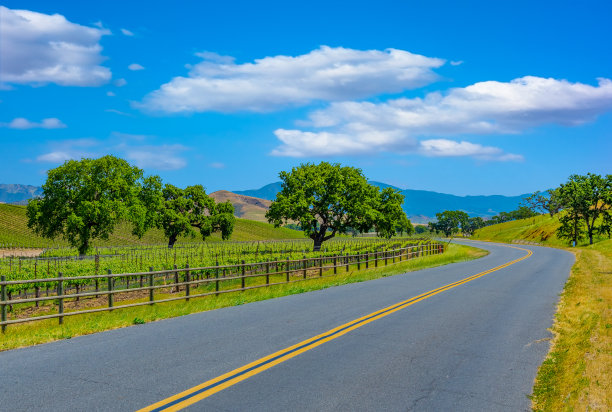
[472, 224]
[391, 218]
[587, 200]
[181, 211]
[546, 202]
[84, 200]
[449, 222]
[327, 199]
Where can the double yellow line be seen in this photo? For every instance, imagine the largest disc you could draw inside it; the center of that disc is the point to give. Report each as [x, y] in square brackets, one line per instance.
[204, 390]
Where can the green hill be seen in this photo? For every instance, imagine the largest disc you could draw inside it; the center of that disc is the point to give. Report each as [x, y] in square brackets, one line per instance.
[14, 232]
[539, 229]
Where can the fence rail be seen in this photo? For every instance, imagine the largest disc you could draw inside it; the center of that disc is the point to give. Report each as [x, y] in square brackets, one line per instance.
[225, 278]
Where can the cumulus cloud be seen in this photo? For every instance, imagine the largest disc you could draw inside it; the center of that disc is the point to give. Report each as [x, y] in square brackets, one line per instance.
[483, 108]
[450, 148]
[37, 48]
[135, 67]
[23, 123]
[54, 157]
[120, 82]
[271, 83]
[126, 32]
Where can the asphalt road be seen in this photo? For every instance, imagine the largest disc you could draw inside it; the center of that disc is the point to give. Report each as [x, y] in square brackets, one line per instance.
[476, 346]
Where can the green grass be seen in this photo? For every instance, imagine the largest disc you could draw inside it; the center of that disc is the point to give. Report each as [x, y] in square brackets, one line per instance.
[14, 231]
[577, 372]
[48, 330]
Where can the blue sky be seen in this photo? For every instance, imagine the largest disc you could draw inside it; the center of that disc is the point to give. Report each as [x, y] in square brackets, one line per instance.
[471, 98]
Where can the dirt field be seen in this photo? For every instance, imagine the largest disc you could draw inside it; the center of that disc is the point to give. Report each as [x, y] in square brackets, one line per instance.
[20, 252]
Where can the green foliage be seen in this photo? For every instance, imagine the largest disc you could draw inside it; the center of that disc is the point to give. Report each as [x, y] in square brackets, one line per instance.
[472, 224]
[587, 201]
[180, 211]
[449, 222]
[543, 202]
[86, 199]
[328, 199]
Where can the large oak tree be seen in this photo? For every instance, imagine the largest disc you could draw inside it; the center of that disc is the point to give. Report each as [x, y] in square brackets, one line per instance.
[84, 200]
[329, 199]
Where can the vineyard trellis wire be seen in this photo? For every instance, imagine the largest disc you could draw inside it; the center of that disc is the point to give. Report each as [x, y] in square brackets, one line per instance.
[212, 279]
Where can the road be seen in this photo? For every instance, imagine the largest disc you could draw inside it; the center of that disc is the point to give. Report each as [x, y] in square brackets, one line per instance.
[475, 345]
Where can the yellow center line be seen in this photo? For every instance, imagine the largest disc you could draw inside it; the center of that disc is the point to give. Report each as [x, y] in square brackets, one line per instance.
[210, 387]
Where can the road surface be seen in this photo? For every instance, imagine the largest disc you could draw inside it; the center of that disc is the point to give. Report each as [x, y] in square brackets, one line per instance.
[459, 345]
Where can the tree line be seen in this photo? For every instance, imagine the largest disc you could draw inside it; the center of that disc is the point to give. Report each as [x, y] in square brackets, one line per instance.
[585, 200]
[85, 200]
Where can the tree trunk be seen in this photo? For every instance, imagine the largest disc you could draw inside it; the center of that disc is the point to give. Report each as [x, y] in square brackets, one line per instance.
[317, 244]
[172, 241]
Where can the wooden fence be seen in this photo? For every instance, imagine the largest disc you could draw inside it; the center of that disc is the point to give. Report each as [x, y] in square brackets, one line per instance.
[186, 281]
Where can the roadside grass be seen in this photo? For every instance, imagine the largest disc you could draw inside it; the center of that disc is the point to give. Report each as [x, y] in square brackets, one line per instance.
[34, 333]
[577, 372]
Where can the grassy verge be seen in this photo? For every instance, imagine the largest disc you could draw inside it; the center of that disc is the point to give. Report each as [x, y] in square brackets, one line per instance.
[48, 330]
[577, 373]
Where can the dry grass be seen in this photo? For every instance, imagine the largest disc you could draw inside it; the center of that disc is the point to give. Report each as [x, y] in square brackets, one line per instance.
[577, 373]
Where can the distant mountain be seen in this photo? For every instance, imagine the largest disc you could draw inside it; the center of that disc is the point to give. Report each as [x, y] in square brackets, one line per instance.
[421, 206]
[13, 193]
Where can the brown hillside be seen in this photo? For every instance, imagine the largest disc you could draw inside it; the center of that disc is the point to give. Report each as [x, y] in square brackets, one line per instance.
[245, 207]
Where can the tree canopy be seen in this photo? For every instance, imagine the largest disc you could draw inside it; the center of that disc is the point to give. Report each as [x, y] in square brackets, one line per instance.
[84, 200]
[328, 199]
[543, 202]
[449, 222]
[587, 201]
[181, 211]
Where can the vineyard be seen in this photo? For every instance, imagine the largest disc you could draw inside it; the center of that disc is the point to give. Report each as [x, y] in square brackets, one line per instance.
[212, 268]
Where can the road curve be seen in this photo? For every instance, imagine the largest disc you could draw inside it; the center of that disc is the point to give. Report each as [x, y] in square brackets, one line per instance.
[475, 346]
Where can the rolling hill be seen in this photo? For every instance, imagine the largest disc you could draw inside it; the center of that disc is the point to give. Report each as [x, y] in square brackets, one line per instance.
[245, 207]
[14, 232]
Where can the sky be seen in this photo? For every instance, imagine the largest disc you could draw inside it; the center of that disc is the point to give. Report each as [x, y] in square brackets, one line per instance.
[466, 98]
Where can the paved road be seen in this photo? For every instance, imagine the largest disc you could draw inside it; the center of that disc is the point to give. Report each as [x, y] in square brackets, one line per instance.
[476, 346]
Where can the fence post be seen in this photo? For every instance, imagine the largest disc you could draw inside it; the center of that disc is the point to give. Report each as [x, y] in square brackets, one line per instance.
[347, 261]
[187, 286]
[304, 265]
[320, 266]
[176, 279]
[367, 258]
[393, 253]
[267, 272]
[358, 262]
[110, 282]
[400, 254]
[243, 274]
[3, 298]
[217, 277]
[376, 259]
[60, 292]
[151, 298]
[287, 270]
[335, 264]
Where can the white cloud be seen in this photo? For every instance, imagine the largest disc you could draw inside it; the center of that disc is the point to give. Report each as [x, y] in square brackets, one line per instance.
[23, 123]
[450, 148]
[126, 32]
[135, 67]
[37, 48]
[120, 82]
[119, 112]
[164, 157]
[456, 62]
[271, 83]
[482, 108]
[54, 157]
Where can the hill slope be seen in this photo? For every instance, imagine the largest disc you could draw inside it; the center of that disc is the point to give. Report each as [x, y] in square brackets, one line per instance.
[245, 207]
[14, 231]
